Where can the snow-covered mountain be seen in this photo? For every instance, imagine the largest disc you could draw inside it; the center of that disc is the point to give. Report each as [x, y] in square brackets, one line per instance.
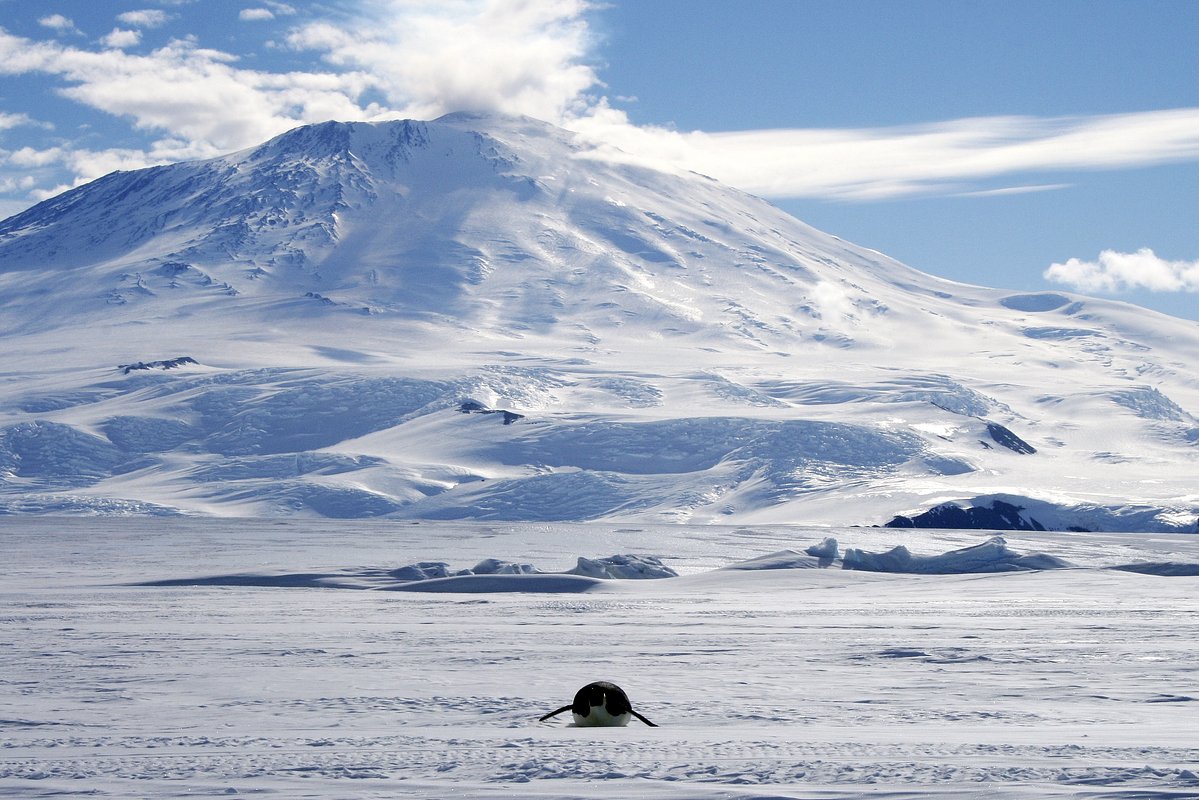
[320, 325]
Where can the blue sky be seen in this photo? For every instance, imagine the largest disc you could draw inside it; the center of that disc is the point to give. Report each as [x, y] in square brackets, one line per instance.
[1025, 145]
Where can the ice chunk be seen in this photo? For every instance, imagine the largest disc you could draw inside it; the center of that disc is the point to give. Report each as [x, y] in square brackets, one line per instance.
[827, 548]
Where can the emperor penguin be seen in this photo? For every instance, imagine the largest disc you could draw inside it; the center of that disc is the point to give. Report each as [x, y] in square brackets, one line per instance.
[600, 705]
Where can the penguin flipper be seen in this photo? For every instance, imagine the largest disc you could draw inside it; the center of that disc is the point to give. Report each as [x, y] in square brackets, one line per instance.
[554, 713]
[643, 719]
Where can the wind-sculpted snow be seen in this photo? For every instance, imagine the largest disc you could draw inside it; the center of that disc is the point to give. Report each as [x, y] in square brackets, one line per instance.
[553, 497]
[52, 455]
[607, 468]
[267, 412]
[623, 567]
[697, 444]
[149, 434]
[286, 465]
[62, 504]
[1148, 402]
[938, 390]
[335, 502]
[314, 413]
[990, 556]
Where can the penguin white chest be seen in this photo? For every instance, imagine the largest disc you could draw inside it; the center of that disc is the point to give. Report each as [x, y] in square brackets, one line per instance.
[600, 717]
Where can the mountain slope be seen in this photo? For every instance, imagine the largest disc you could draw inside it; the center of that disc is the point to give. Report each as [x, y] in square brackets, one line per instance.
[352, 298]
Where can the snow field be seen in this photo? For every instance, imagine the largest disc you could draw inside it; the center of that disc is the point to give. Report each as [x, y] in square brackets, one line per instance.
[766, 683]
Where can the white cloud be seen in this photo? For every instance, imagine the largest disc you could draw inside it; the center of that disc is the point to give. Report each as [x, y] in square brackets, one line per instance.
[255, 14]
[12, 185]
[146, 18]
[866, 164]
[15, 120]
[58, 22]
[435, 56]
[192, 95]
[120, 38]
[29, 157]
[1116, 272]
[282, 9]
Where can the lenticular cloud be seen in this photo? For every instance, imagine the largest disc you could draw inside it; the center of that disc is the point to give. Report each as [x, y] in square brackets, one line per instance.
[1118, 272]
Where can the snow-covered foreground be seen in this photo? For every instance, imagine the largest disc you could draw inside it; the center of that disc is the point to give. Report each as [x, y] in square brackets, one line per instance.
[780, 683]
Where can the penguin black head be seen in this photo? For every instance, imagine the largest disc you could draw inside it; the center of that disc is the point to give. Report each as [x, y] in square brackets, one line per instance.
[600, 705]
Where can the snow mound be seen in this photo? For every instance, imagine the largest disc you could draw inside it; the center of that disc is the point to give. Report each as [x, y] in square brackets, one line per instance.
[990, 556]
[936, 390]
[422, 571]
[623, 567]
[497, 566]
[616, 567]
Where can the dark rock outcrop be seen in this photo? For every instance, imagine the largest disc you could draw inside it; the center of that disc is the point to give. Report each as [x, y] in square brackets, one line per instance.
[1011, 441]
[1000, 516]
[475, 407]
[171, 363]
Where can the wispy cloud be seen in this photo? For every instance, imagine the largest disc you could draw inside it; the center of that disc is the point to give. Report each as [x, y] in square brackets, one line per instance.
[1116, 272]
[869, 164]
[255, 14]
[1011, 190]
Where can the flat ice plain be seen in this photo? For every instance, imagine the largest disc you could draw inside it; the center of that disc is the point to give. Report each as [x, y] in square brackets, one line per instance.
[786, 683]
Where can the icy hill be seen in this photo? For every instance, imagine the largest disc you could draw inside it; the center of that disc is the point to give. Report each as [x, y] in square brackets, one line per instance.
[320, 325]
